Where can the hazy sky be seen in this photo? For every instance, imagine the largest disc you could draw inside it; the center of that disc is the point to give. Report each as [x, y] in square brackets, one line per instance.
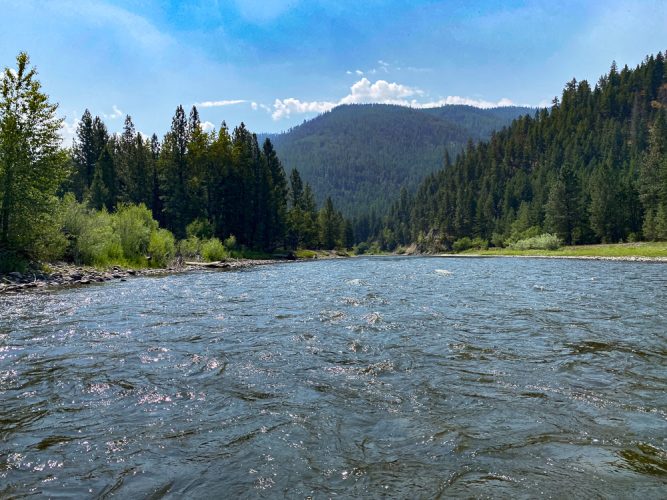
[274, 63]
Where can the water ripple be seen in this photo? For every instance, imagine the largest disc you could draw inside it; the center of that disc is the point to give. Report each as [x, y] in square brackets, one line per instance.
[372, 377]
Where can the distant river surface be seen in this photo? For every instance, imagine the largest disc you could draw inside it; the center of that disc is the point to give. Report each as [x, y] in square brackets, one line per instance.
[369, 377]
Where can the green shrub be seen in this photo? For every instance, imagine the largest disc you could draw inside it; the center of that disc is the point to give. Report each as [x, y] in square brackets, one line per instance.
[230, 243]
[125, 237]
[12, 261]
[213, 250]
[161, 247]
[374, 249]
[497, 240]
[544, 241]
[305, 254]
[361, 248]
[479, 243]
[134, 225]
[199, 228]
[98, 243]
[462, 244]
[190, 248]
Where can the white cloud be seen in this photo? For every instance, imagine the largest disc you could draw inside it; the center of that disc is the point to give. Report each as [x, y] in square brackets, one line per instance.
[207, 126]
[359, 72]
[68, 131]
[254, 106]
[362, 92]
[455, 99]
[380, 92]
[283, 108]
[115, 113]
[216, 104]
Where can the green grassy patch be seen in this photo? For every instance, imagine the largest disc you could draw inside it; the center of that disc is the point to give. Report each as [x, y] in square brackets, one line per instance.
[643, 249]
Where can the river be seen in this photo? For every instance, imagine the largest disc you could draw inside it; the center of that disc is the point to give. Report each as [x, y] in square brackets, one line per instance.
[399, 377]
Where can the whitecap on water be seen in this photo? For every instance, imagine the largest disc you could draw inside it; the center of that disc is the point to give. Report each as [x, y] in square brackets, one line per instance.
[443, 272]
[373, 318]
[355, 282]
[331, 316]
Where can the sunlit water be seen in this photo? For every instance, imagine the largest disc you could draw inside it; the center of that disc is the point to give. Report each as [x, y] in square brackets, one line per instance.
[399, 377]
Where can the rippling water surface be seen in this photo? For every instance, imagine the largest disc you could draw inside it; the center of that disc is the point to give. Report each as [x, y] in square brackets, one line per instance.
[404, 377]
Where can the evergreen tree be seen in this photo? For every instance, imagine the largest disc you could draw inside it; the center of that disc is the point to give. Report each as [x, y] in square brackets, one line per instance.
[84, 154]
[329, 226]
[653, 179]
[174, 174]
[102, 191]
[155, 200]
[277, 210]
[99, 193]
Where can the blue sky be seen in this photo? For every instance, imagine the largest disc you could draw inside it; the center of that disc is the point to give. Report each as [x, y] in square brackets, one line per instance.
[274, 63]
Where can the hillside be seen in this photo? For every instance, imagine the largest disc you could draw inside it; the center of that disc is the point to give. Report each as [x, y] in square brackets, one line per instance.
[591, 169]
[361, 155]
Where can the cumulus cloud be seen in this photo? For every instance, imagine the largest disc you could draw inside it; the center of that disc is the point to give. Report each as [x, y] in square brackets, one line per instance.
[217, 104]
[206, 126]
[362, 92]
[284, 108]
[381, 92]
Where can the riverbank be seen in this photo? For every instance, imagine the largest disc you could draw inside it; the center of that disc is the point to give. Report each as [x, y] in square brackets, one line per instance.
[633, 252]
[62, 274]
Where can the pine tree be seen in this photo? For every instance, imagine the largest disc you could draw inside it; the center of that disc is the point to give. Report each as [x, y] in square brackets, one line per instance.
[156, 201]
[173, 169]
[277, 209]
[84, 155]
[653, 178]
[329, 226]
[99, 193]
[126, 160]
[103, 192]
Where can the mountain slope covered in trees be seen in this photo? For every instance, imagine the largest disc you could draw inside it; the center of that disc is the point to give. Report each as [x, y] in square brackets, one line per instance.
[361, 155]
[593, 168]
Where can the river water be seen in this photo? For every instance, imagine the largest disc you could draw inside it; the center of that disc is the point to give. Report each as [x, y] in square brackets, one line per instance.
[397, 377]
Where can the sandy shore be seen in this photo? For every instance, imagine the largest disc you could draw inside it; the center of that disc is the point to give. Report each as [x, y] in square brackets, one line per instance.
[62, 274]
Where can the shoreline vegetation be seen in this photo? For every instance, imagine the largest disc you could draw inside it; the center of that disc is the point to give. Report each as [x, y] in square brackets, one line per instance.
[132, 202]
[56, 275]
[64, 274]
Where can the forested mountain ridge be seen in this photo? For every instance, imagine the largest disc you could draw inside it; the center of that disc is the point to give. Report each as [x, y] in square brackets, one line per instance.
[361, 155]
[593, 168]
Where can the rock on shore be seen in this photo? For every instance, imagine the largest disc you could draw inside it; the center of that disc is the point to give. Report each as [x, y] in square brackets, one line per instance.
[62, 274]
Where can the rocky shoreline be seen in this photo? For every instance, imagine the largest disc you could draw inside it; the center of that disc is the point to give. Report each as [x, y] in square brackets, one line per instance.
[64, 275]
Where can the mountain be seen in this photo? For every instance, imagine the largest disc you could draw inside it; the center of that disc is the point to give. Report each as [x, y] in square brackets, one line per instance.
[593, 168]
[361, 155]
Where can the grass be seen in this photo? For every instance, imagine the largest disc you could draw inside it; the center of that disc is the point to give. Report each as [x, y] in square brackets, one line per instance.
[643, 249]
[303, 253]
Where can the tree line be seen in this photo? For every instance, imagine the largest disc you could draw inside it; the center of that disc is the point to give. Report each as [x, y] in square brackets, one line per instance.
[225, 181]
[217, 184]
[592, 168]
